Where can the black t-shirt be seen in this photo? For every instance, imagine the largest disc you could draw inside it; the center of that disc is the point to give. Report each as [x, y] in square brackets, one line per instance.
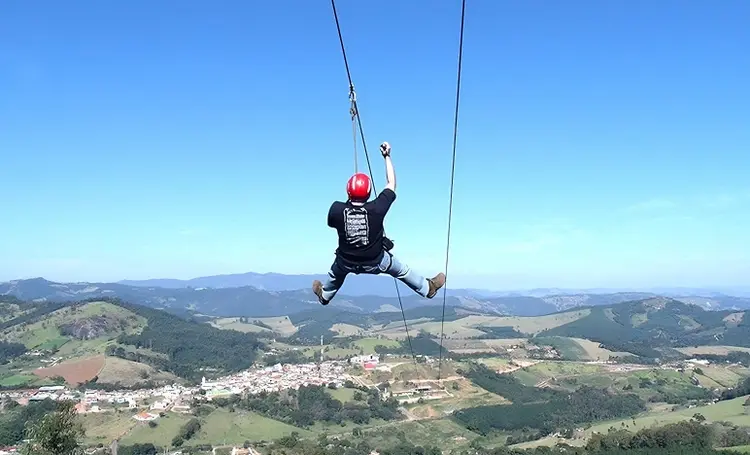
[360, 228]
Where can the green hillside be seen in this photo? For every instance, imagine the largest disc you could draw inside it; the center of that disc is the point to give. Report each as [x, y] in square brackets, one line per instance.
[89, 325]
[642, 331]
[46, 338]
[650, 327]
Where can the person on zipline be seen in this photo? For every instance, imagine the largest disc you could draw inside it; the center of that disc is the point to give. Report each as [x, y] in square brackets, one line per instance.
[363, 247]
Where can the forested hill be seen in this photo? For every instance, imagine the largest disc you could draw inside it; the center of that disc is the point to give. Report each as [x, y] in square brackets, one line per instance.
[191, 347]
[644, 327]
[184, 347]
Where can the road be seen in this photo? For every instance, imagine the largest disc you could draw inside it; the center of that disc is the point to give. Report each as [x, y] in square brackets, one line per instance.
[252, 451]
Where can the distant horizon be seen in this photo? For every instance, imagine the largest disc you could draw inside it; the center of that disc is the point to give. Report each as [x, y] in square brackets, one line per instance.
[590, 289]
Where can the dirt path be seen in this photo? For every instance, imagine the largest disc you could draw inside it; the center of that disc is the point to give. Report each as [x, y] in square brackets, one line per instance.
[451, 378]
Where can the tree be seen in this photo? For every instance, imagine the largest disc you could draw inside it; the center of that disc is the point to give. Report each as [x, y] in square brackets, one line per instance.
[56, 433]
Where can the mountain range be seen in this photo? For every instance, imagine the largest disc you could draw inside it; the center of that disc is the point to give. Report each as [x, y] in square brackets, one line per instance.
[276, 294]
[365, 285]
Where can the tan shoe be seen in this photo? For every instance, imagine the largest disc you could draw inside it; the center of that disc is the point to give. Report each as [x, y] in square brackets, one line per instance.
[435, 284]
[317, 288]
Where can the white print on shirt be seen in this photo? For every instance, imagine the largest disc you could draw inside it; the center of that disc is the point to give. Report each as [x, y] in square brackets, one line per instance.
[356, 226]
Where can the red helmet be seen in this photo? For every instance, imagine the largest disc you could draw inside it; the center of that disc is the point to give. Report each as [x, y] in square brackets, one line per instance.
[358, 187]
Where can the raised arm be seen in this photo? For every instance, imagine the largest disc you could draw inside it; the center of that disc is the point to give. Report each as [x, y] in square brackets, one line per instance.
[390, 174]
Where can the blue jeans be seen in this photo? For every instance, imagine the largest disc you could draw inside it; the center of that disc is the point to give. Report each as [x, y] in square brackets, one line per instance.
[389, 264]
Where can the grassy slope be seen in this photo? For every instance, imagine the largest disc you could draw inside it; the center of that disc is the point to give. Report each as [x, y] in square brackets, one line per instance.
[45, 334]
[128, 373]
[280, 325]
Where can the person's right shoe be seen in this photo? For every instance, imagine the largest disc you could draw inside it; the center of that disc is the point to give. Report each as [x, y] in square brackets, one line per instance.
[317, 288]
[437, 282]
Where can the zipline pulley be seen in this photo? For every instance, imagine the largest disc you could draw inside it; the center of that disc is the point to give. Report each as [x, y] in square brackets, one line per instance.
[354, 113]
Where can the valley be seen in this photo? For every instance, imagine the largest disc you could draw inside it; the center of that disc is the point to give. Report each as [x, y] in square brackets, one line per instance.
[142, 375]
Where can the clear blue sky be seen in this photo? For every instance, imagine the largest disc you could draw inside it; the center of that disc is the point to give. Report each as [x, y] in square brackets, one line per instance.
[600, 144]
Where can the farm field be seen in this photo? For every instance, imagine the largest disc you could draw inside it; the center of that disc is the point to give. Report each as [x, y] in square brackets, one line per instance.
[452, 330]
[471, 326]
[593, 351]
[222, 426]
[234, 324]
[527, 325]
[219, 427]
[16, 380]
[720, 376]
[348, 330]
[105, 427]
[368, 344]
[445, 431]
[74, 371]
[19, 373]
[166, 428]
[280, 325]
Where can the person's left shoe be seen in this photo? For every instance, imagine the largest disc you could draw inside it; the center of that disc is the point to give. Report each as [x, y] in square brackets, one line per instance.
[317, 288]
[437, 282]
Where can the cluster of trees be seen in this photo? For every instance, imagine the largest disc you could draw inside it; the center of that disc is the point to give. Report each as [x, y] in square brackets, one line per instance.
[312, 404]
[51, 427]
[730, 436]
[294, 445]
[186, 432]
[56, 433]
[9, 351]
[545, 410]
[685, 435]
[742, 389]
[14, 418]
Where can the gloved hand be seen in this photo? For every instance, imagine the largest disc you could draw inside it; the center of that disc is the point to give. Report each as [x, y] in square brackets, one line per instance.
[385, 149]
